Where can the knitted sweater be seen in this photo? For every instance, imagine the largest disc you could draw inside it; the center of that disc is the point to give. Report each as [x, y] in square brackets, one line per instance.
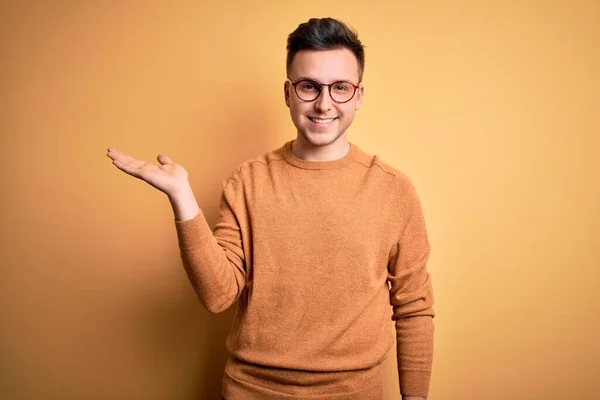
[318, 256]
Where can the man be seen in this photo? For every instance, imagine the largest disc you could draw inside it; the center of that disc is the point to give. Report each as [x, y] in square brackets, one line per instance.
[314, 241]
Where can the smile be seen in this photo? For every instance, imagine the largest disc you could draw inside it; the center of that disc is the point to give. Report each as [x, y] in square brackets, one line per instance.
[322, 120]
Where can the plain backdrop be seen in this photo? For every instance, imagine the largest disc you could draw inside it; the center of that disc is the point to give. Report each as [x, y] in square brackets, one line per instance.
[491, 107]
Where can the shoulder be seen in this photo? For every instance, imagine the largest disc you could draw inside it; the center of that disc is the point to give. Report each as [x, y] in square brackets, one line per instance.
[394, 176]
[399, 188]
[251, 167]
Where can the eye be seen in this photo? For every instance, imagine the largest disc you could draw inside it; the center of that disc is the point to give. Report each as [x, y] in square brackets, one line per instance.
[308, 86]
[341, 87]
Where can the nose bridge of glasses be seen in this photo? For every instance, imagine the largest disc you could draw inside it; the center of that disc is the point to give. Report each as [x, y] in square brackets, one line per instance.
[324, 99]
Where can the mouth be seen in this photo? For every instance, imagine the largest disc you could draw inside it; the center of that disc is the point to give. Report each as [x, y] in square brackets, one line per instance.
[322, 121]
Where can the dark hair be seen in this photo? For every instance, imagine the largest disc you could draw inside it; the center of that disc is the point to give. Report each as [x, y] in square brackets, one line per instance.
[325, 34]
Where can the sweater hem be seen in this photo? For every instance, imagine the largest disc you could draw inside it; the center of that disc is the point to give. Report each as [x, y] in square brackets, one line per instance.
[353, 385]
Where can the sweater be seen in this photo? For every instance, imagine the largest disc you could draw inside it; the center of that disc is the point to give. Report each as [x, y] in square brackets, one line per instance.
[318, 257]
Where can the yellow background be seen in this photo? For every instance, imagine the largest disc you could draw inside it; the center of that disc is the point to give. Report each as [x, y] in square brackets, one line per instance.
[492, 108]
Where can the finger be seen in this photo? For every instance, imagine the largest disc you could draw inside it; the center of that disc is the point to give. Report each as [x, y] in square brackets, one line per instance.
[124, 158]
[163, 159]
[111, 152]
[128, 168]
[115, 154]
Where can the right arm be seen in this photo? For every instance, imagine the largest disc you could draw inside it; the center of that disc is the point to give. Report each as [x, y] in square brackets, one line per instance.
[214, 263]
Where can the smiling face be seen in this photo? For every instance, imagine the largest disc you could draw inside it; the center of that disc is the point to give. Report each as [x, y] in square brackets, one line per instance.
[323, 122]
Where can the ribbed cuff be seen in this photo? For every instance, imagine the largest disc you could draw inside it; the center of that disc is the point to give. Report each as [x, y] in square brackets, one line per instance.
[414, 382]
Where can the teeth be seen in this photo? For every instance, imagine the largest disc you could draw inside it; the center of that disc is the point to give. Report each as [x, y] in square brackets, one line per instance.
[322, 121]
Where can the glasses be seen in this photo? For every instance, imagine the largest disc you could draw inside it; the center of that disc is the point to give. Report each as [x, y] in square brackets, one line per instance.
[340, 92]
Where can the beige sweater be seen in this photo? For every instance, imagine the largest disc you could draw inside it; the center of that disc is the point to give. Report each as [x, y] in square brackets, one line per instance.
[319, 255]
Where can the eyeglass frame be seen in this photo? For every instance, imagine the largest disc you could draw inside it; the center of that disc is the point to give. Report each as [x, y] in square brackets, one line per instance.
[320, 86]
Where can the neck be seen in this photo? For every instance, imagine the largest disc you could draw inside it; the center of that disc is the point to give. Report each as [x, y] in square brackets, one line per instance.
[303, 150]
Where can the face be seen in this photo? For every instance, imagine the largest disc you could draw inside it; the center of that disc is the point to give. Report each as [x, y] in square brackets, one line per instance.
[323, 122]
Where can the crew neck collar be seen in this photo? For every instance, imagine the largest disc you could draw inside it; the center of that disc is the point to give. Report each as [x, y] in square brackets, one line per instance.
[304, 164]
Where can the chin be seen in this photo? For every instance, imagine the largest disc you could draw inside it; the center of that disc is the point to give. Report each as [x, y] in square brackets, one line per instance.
[320, 138]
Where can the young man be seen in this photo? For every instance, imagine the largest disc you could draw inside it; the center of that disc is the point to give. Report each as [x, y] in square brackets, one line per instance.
[314, 242]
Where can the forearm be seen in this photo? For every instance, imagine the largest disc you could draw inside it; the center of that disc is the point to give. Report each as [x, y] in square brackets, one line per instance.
[214, 266]
[213, 261]
[415, 354]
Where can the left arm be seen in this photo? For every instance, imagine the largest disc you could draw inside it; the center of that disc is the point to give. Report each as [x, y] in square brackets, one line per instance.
[411, 296]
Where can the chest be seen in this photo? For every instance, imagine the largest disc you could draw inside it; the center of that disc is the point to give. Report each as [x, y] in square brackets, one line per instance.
[322, 216]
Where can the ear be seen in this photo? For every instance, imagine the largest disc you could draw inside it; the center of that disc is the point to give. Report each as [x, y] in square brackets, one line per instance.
[360, 92]
[286, 92]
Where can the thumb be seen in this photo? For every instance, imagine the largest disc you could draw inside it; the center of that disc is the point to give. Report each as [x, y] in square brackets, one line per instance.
[163, 159]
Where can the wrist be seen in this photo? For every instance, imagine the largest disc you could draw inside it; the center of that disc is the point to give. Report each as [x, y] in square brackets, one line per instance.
[184, 203]
[180, 192]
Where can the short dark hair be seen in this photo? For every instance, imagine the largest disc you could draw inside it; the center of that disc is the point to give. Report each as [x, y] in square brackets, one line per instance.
[325, 34]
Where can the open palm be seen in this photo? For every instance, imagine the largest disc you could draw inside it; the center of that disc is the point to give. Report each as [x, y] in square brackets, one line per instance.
[168, 177]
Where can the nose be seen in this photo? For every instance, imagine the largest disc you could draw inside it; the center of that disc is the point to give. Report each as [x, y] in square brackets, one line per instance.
[323, 102]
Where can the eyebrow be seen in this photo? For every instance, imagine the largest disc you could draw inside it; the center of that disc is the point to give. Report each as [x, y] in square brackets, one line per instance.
[301, 78]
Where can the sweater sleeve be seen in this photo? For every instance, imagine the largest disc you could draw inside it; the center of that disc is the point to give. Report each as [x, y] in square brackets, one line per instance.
[411, 296]
[214, 261]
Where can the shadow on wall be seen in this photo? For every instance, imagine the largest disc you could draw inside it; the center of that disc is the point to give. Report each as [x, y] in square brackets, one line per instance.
[188, 340]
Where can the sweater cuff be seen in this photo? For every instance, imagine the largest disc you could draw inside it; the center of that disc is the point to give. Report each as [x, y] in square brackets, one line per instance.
[414, 382]
[193, 233]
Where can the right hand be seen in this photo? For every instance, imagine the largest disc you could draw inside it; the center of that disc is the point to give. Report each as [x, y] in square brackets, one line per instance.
[168, 177]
